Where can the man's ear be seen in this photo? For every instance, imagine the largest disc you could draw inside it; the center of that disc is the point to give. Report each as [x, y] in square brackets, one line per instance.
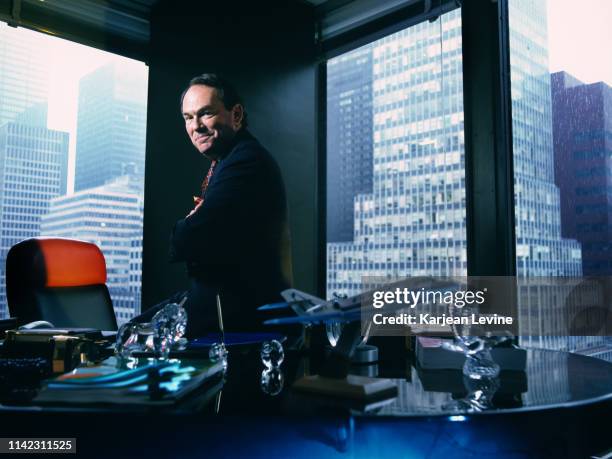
[237, 116]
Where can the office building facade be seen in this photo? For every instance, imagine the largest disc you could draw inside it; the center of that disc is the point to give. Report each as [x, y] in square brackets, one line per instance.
[349, 139]
[24, 79]
[540, 248]
[111, 125]
[413, 222]
[582, 136]
[582, 132]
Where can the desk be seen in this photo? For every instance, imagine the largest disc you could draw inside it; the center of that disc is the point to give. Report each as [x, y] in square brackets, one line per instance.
[562, 408]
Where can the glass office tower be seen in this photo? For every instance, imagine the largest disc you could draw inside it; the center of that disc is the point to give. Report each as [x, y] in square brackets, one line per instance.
[582, 133]
[540, 249]
[111, 124]
[24, 80]
[349, 139]
[413, 221]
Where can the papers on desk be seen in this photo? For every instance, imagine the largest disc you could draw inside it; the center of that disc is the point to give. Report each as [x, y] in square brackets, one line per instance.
[150, 384]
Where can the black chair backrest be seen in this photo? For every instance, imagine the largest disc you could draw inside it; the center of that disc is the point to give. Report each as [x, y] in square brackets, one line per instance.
[62, 281]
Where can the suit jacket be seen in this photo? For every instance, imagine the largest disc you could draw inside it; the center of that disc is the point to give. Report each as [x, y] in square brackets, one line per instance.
[237, 242]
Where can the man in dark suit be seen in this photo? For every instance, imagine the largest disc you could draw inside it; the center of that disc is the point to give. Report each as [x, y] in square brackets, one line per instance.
[235, 242]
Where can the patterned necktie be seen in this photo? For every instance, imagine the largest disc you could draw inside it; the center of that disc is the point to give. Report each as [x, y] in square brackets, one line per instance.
[197, 200]
[208, 176]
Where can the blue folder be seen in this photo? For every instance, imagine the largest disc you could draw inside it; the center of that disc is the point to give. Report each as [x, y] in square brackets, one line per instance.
[234, 339]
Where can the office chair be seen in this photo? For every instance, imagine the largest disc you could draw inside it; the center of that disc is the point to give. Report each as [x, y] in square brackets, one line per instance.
[62, 281]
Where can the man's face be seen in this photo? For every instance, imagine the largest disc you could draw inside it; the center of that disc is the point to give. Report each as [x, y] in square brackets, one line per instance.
[209, 124]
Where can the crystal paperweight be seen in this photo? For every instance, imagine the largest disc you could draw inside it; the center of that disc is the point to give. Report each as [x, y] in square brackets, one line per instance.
[133, 338]
[272, 354]
[169, 325]
[163, 333]
[218, 352]
[272, 381]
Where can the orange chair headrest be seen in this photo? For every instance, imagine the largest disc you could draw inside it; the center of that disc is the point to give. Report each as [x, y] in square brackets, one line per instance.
[57, 262]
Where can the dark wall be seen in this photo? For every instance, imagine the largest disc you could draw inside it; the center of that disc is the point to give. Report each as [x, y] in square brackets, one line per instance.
[267, 50]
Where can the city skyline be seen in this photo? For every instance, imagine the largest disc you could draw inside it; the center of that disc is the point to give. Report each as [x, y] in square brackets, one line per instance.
[413, 222]
[111, 126]
[37, 165]
[61, 65]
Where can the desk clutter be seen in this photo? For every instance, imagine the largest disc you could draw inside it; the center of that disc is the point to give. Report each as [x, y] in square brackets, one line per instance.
[29, 356]
[146, 363]
[64, 349]
[151, 365]
[146, 382]
[270, 385]
[86, 367]
[275, 373]
[137, 366]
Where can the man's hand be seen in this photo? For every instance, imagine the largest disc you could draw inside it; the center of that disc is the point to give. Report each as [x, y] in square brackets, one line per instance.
[198, 203]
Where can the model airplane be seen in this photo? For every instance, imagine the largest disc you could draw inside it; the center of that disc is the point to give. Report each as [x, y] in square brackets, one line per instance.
[310, 309]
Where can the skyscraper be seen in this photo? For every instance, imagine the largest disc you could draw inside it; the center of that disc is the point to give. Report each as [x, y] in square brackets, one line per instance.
[111, 124]
[110, 216]
[23, 74]
[33, 169]
[413, 221]
[582, 133]
[349, 139]
[540, 248]
[582, 127]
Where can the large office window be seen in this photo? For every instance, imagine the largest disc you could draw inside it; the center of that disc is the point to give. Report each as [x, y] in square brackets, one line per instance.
[395, 157]
[561, 74]
[72, 147]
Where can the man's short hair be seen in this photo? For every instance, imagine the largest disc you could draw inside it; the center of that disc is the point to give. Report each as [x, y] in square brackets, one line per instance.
[225, 91]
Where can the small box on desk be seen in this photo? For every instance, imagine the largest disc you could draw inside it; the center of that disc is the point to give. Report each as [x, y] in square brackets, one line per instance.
[431, 355]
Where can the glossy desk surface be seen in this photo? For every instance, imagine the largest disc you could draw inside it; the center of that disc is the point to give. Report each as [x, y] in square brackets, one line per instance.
[561, 406]
[552, 380]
